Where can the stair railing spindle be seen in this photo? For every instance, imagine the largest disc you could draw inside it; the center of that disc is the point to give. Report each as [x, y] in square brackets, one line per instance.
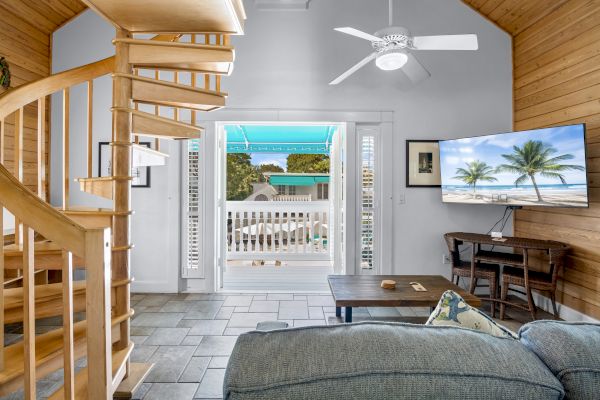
[41, 148]
[90, 113]
[65, 147]
[29, 313]
[68, 347]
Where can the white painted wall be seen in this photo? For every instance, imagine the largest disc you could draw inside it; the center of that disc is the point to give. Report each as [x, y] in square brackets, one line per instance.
[285, 61]
[155, 232]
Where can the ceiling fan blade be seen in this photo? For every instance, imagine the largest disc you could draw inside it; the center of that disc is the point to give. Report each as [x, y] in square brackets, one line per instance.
[446, 42]
[360, 34]
[355, 68]
[415, 71]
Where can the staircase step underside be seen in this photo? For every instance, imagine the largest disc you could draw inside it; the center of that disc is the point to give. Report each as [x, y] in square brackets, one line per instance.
[91, 217]
[48, 354]
[48, 301]
[99, 186]
[145, 124]
[119, 358]
[142, 156]
[47, 255]
[151, 54]
[186, 16]
[169, 94]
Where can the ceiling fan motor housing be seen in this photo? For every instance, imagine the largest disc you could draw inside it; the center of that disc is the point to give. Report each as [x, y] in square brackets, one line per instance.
[394, 37]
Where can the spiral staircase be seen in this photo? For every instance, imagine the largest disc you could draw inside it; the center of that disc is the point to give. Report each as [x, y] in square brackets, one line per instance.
[188, 38]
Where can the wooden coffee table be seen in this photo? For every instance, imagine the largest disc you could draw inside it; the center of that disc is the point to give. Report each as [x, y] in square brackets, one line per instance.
[364, 291]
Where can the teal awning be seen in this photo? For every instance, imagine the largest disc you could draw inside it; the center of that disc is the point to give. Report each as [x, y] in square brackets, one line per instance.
[292, 139]
[297, 180]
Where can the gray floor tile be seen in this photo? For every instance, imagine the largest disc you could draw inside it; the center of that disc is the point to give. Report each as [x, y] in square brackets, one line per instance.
[211, 386]
[156, 300]
[191, 341]
[224, 313]
[264, 306]
[218, 362]
[280, 296]
[172, 391]
[249, 320]
[243, 301]
[142, 353]
[309, 322]
[142, 330]
[236, 331]
[293, 310]
[198, 296]
[167, 336]
[141, 392]
[176, 306]
[194, 372]
[326, 301]
[315, 313]
[158, 320]
[383, 312]
[208, 327]
[205, 309]
[215, 346]
[259, 297]
[241, 309]
[137, 340]
[170, 362]
[300, 297]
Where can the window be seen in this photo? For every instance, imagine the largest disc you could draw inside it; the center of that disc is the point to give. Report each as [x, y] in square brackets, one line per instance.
[323, 191]
[292, 190]
[280, 189]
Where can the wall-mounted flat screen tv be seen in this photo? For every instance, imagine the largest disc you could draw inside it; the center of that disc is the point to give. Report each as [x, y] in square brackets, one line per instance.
[541, 167]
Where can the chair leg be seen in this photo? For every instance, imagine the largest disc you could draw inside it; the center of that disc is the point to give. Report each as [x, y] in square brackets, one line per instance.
[503, 295]
[493, 293]
[530, 303]
[474, 286]
[457, 280]
[553, 300]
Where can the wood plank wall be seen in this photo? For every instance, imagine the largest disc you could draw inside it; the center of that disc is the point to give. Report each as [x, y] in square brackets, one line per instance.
[27, 50]
[557, 82]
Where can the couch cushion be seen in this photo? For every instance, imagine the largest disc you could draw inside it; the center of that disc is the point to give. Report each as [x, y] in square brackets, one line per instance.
[453, 310]
[376, 360]
[571, 351]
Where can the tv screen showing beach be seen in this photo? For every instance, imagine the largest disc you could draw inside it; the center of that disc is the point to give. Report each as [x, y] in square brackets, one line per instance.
[542, 167]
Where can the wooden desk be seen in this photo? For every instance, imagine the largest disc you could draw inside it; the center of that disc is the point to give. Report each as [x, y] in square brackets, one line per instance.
[365, 291]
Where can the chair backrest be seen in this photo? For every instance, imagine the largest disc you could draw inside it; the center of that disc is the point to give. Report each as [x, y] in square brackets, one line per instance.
[453, 244]
[557, 261]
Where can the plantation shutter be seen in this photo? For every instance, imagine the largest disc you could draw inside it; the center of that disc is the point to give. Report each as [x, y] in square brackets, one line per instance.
[192, 209]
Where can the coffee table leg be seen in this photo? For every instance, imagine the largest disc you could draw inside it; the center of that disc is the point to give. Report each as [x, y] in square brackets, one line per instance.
[348, 314]
[338, 311]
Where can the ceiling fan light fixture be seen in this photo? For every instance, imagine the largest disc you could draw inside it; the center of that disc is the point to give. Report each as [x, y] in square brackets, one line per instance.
[391, 60]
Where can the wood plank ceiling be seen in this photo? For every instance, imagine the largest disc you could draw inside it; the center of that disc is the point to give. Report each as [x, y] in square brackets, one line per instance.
[556, 53]
[25, 31]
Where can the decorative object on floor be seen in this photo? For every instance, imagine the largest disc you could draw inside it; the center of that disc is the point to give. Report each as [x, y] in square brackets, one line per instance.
[4, 73]
[423, 163]
[364, 291]
[388, 284]
[393, 47]
[140, 175]
[452, 310]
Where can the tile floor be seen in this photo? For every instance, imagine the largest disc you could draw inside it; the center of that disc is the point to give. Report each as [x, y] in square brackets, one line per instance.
[189, 337]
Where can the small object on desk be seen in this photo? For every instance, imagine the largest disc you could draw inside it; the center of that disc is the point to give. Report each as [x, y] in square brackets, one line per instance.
[499, 239]
[417, 286]
[388, 284]
[496, 235]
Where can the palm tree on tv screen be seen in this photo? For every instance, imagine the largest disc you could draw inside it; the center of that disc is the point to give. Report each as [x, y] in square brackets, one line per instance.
[476, 171]
[536, 157]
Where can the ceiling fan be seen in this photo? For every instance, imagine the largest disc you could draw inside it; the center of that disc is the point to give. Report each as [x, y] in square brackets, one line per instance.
[393, 46]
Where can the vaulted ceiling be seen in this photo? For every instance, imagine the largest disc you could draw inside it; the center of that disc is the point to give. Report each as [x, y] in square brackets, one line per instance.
[514, 16]
[42, 15]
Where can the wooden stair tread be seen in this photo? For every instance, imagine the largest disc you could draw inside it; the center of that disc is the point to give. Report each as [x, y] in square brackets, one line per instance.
[100, 186]
[13, 298]
[137, 374]
[186, 16]
[119, 358]
[145, 124]
[48, 354]
[169, 94]
[84, 210]
[142, 156]
[40, 247]
[177, 56]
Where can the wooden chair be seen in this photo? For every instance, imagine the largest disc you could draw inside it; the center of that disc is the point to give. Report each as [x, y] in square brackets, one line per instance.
[541, 281]
[460, 268]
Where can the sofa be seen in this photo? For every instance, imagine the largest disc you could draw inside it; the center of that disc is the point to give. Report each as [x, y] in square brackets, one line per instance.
[383, 360]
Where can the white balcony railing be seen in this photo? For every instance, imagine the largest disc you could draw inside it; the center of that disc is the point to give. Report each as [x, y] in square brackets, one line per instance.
[278, 230]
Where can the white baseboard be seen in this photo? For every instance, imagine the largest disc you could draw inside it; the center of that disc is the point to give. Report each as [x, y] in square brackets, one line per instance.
[565, 312]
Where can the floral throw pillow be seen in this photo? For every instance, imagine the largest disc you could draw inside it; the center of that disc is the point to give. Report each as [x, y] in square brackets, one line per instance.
[452, 310]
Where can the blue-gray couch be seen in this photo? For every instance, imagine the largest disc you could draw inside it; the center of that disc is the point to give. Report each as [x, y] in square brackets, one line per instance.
[375, 360]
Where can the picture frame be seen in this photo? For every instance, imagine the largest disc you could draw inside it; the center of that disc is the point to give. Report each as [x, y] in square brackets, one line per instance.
[140, 175]
[423, 164]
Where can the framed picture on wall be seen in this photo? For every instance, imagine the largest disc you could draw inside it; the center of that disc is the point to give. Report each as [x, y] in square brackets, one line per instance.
[423, 163]
[140, 175]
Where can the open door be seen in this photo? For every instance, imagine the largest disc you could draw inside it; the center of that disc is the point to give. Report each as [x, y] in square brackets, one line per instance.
[221, 217]
[337, 199]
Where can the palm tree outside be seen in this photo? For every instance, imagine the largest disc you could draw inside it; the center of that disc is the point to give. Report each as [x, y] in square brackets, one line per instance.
[536, 157]
[476, 171]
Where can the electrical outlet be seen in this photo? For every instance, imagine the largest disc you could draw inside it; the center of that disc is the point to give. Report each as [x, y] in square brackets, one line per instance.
[445, 259]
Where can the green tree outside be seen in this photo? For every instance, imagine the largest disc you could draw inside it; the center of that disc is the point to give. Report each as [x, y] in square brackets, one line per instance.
[241, 174]
[308, 163]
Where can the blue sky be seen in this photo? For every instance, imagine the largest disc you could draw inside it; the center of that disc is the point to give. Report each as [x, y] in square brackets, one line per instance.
[455, 153]
[270, 158]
